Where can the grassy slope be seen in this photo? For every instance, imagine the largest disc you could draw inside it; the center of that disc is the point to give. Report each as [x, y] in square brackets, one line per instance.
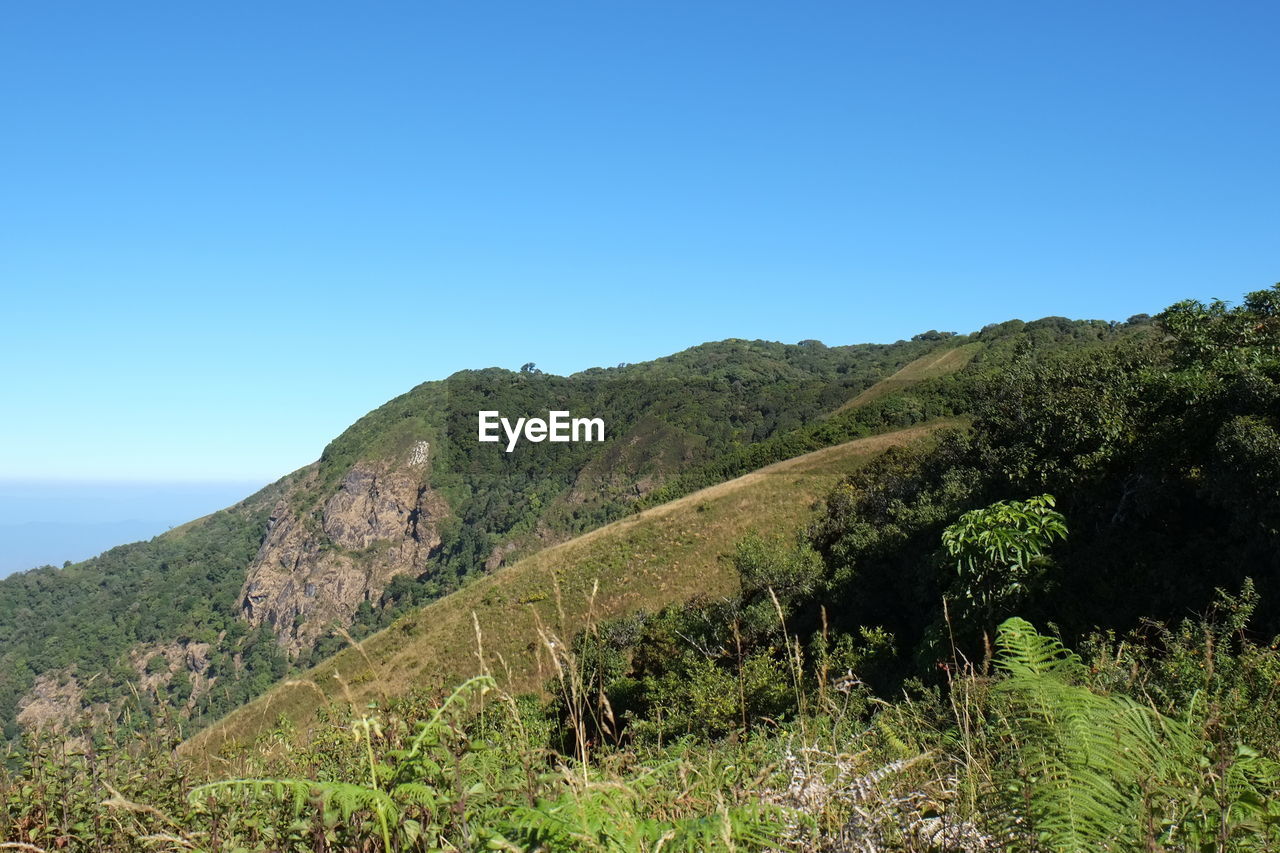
[667, 554]
[929, 366]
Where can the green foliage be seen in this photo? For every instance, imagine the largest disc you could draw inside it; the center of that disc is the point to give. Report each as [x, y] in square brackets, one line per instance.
[1006, 536]
[1159, 441]
[470, 772]
[1000, 551]
[1225, 340]
[879, 534]
[413, 796]
[1086, 757]
[1051, 760]
[602, 816]
[1106, 772]
[773, 566]
[708, 667]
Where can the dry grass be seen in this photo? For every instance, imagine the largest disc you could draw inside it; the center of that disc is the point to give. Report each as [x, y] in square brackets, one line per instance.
[667, 554]
[929, 366]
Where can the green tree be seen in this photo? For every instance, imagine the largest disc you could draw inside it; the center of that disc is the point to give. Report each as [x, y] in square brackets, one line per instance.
[1000, 555]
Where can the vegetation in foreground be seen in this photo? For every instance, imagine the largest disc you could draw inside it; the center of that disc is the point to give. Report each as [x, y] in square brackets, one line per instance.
[1045, 750]
[897, 678]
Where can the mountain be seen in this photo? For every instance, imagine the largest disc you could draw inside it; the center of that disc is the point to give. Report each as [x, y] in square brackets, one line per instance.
[406, 506]
[993, 600]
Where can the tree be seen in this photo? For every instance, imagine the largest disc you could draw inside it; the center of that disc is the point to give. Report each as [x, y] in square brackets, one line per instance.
[1000, 556]
[1229, 340]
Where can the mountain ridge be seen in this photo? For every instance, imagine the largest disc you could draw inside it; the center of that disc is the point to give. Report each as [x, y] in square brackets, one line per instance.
[358, 536]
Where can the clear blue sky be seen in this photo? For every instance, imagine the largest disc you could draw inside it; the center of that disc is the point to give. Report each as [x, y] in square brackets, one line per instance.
[229, 229]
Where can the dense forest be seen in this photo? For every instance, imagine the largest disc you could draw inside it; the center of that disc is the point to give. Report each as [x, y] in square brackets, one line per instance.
[1052, 628]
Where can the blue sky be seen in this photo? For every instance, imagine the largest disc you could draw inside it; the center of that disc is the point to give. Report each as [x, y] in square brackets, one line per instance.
[229, 229]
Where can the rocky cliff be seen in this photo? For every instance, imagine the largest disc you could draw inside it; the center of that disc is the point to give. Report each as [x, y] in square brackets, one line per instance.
[314, 569]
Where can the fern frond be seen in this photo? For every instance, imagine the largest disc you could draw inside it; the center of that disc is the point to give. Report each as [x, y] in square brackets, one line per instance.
[416, 793]
[1025, 651]
[349, 798]
[1090, 757]
[294, 792]
[867, 785]
[481, 683]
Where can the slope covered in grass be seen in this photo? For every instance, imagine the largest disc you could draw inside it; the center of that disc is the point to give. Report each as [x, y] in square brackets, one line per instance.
[930, 366]
[401, 508]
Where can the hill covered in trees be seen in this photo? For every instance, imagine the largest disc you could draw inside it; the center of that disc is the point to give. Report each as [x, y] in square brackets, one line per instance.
[406, 506]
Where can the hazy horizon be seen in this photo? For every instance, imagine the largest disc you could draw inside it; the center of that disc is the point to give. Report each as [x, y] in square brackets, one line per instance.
[47, 522]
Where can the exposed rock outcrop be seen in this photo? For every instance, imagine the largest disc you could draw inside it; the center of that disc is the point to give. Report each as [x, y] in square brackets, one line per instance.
[498, 556]
[56, 701]
[312, 572]
[53, 702]
[172, 658]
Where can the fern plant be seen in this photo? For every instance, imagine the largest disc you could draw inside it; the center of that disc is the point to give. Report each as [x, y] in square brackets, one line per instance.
[609, 816]
[1089, 759]
[417, 781]
[1105, 772]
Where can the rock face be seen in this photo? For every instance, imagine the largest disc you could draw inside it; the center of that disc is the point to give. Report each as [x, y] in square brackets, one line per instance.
[54, 702]
[178, 656]
[312, 573]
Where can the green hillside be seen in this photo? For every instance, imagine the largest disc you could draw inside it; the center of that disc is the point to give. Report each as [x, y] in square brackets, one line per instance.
[76, 627]
[405, 506]
[182, 622]
[930, 366]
